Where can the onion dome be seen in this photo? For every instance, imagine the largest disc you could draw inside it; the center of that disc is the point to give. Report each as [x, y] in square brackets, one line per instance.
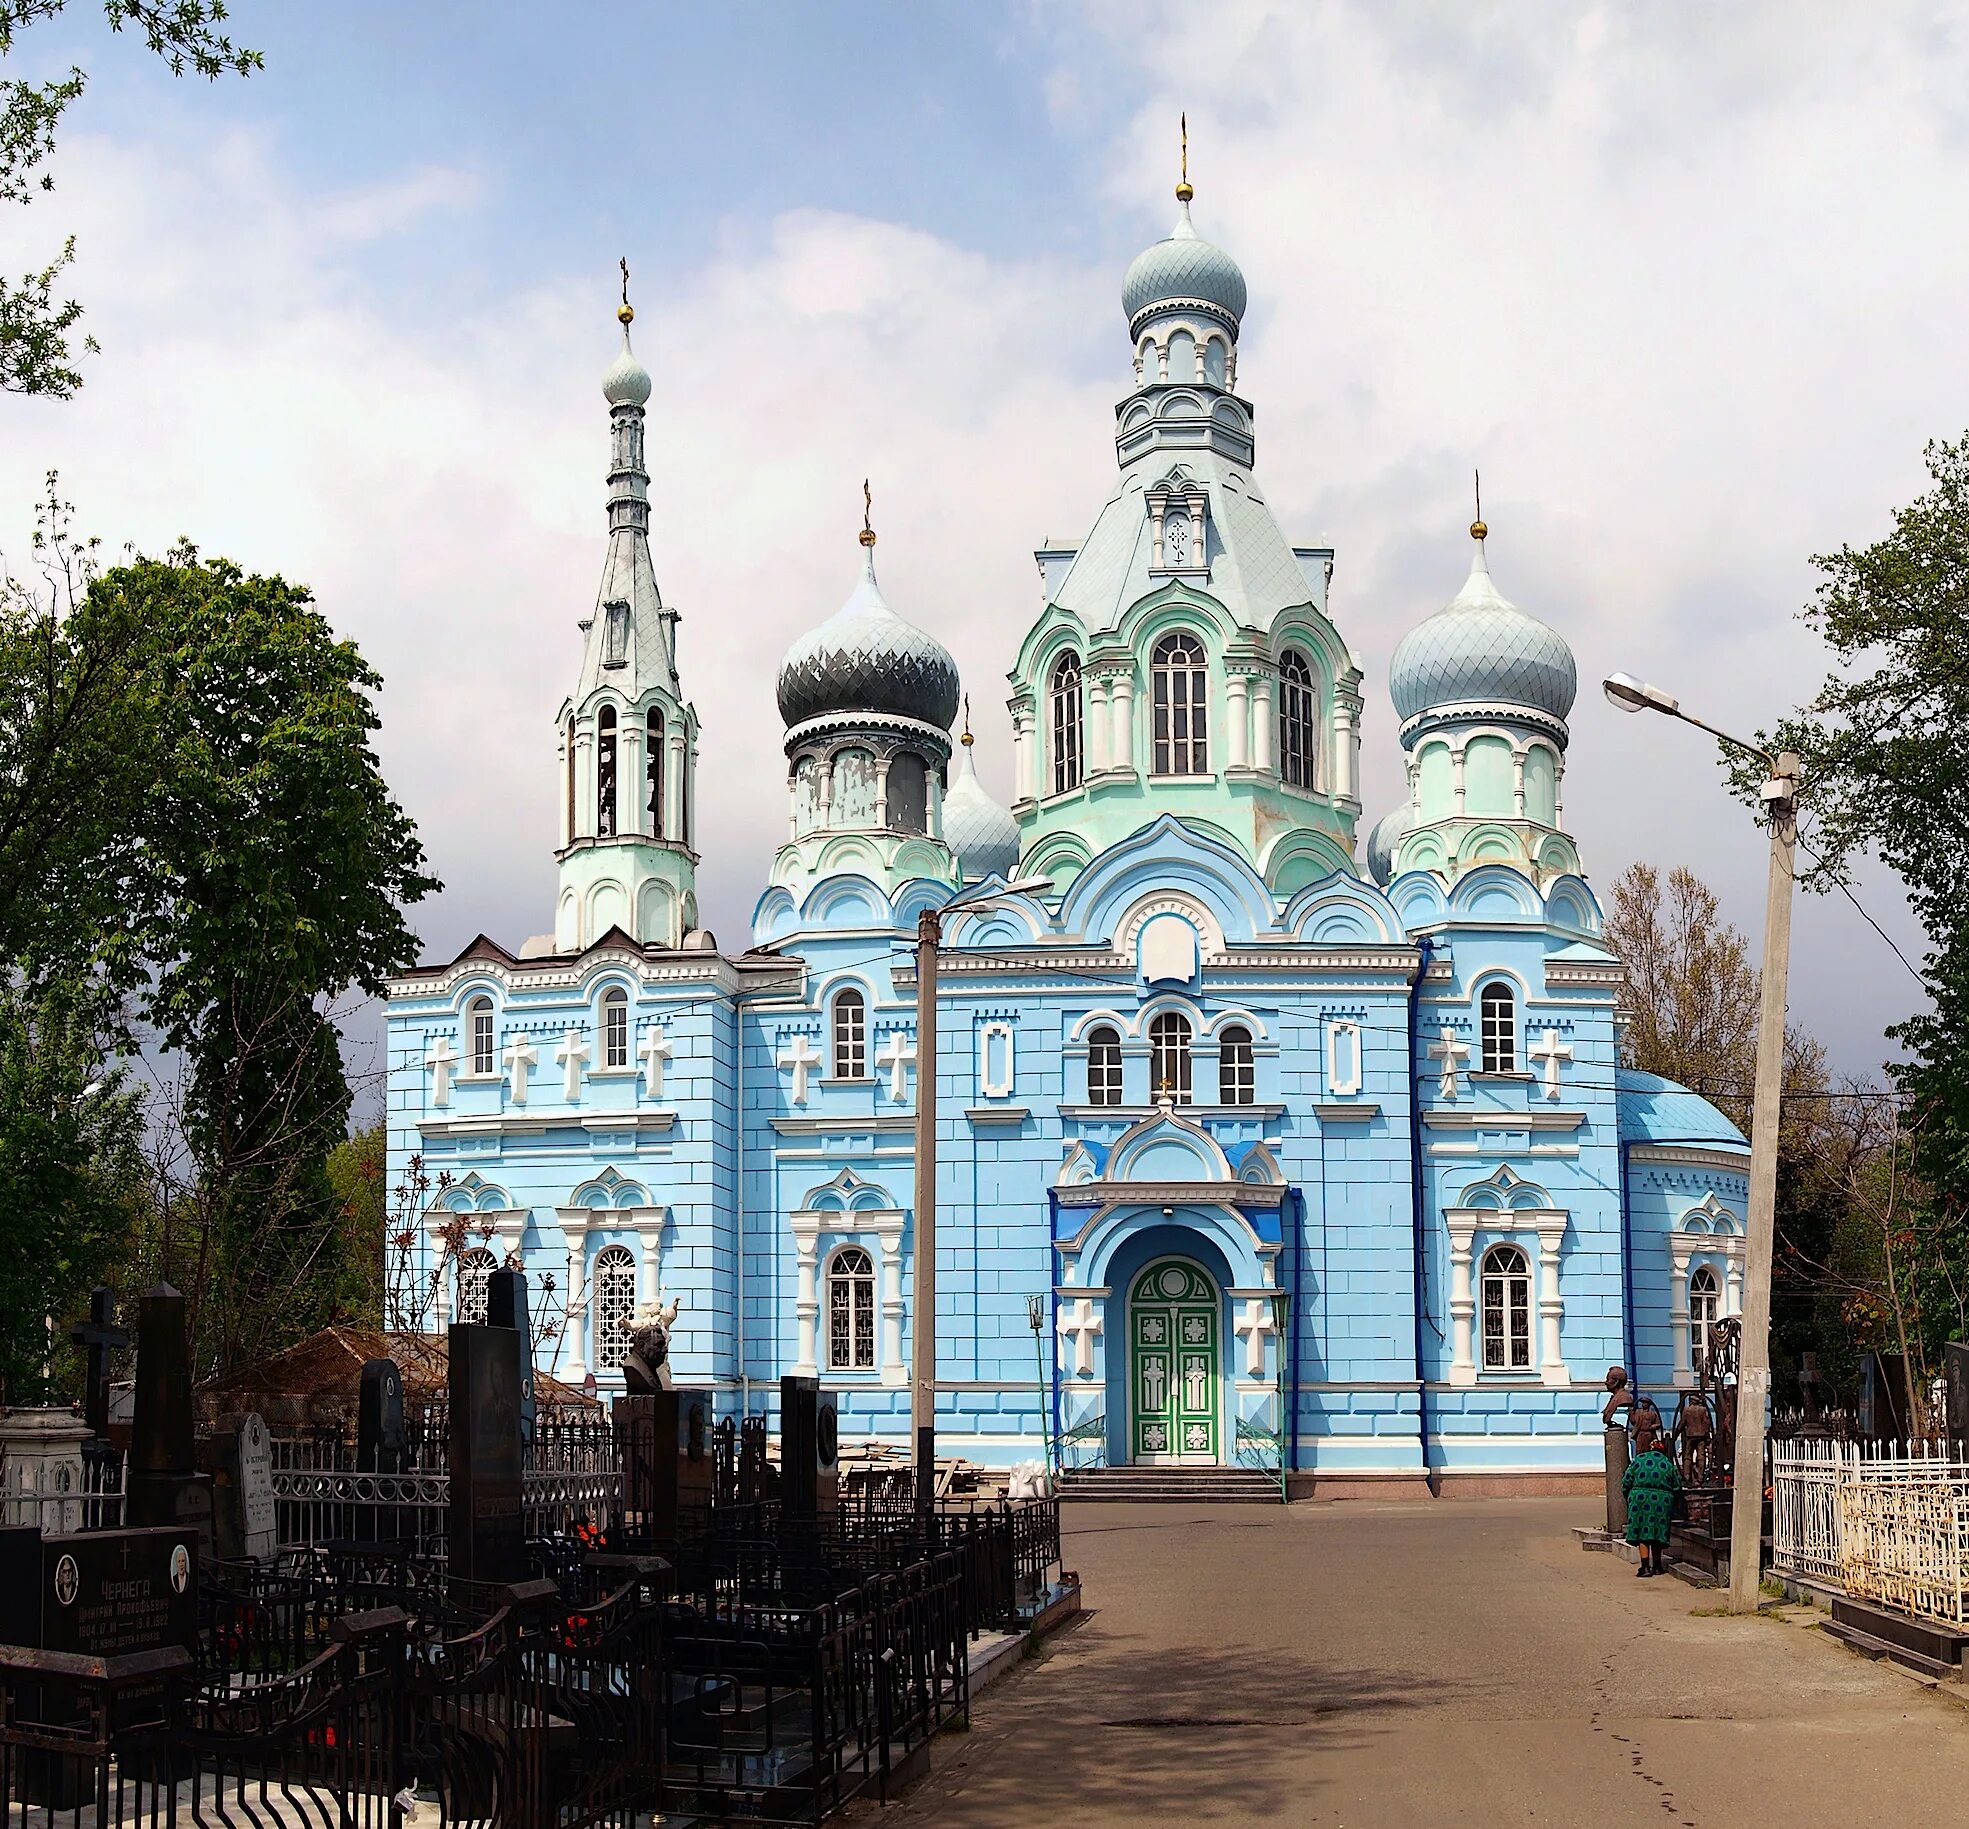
[1388, 833]
[1480, 649]
[866, 659]
[627, 382]
[982, 833]
[1183, 270]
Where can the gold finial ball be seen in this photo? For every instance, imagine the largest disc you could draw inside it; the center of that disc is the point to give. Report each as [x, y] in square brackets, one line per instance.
[967, 739]
[625, 315]
[1478, 530]
[867, 536]
[1185, 191]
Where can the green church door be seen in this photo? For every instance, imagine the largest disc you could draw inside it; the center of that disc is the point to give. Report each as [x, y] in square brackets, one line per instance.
[1173, 1364]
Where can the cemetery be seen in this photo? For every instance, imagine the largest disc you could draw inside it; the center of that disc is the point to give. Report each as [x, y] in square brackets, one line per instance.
[479, 1606]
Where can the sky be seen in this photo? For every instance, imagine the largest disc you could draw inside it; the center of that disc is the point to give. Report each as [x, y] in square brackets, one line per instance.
[1686, 282]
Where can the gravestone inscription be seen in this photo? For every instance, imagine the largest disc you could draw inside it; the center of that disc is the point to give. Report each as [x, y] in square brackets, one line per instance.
[107, 1592]
[486, 1529]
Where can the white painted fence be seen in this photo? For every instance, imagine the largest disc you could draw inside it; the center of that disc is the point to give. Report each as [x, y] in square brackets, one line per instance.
[1888, 1524]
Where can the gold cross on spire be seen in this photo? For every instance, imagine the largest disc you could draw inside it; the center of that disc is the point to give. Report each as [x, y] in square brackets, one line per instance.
[1477, 528]
[967, 721]
[867, 512]
[627, 314]
[1184, 192]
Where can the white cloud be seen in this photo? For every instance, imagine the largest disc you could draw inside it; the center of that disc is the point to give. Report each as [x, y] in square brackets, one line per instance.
[1676, 278]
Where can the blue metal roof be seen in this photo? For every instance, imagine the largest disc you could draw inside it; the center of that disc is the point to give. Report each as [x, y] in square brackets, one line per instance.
[1655, 1110]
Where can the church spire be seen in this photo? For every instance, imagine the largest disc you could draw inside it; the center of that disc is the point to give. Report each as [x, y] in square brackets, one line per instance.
[628, 737]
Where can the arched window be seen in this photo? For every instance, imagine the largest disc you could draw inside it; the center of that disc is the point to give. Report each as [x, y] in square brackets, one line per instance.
[1103, 1067]
[475, 1267]
[850, 1035]
[615, 1304]
[1499, 1026]
[570, 781]
[1705, 1306]
[615, 1027]
[1298, 721]
[1237, 1075]
[850, 1311]
[655, 771]
[1169, 1057]
[1066, 723]
[480, 1012]
[1507, 1310]
[605, 772]
[1181, 721]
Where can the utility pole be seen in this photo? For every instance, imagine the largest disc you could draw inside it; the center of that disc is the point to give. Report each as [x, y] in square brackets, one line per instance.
[923, 1332]
[1780, 794]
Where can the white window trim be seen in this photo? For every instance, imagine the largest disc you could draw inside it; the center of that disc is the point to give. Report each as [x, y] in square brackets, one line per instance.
[1545, 1225]
[1723, 1252]
[1343, 1085]
[879, 1232]
[995, 1086]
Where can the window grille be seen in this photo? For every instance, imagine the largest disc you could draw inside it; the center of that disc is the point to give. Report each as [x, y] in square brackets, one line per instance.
[475, 1268]
[1066, 723]
[615, 1028]
[1104, 1068]
[851, 1311]
[1507, 1310]
[850, 1036]
[1705, 1306]
[1298, 722]
[1169, 1057]
[1237, 1072]
[605, 773]
[1181, 686]
[615, 1304]
[482, 1056]
[1500, 1029]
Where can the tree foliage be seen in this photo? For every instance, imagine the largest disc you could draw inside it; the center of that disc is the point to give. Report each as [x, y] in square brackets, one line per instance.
[188, 35]
[195, 831]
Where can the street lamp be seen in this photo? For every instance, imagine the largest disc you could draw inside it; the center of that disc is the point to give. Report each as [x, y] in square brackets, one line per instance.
[923, 1341]
[1780, 794]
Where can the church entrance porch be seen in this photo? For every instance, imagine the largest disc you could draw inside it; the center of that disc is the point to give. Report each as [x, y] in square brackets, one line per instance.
[1175, 1412]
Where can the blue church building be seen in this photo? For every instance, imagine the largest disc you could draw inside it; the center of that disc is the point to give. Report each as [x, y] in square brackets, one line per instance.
[1260, 1133]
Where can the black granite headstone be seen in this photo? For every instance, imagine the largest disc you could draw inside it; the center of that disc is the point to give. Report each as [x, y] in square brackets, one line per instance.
[668, 1465]
[20, 1576]
[380, 1438]
[486, 1526]
[162, 1487]
[506, 1306]
[106, 1592]
[1883, 1397]
[1955, 1365]
[809, 1451]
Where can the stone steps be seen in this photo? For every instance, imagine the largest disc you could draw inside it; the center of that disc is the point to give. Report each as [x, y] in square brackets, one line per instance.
[1170, 1486]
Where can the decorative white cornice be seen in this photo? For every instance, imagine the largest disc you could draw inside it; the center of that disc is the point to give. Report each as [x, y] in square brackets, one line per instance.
[1172, 1194]
[1682, 1155]
[843, 1126]
[561, 973]
[1503, 1120]
[500, 1124]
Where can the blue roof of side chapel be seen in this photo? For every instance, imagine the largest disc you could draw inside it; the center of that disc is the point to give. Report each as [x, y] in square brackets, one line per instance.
[1655, 1110]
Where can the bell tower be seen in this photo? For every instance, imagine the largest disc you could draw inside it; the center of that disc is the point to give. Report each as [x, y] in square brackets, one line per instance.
[628, 736]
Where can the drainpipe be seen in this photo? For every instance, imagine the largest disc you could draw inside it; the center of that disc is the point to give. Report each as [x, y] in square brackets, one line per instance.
[1298, 1285]
[1627, 1335]
[1425, 949]
[1053, 1301]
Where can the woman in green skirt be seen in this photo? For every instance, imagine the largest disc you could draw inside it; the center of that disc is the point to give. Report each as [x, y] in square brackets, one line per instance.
[1651, 1483]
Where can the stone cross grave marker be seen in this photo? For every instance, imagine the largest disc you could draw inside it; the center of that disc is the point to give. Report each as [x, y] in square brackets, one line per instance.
[99, 1336]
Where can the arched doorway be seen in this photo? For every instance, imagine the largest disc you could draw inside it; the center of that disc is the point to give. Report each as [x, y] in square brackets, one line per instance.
[1174, 1413]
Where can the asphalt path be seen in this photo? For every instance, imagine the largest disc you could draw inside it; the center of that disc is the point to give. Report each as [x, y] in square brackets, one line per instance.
[1398, 1664]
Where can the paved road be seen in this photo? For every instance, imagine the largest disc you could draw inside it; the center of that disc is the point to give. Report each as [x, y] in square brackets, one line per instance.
[1387, 1664]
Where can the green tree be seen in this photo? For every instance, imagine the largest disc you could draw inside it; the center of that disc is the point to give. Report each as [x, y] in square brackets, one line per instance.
[36, 356]
[358, 1171]
[72, 1178]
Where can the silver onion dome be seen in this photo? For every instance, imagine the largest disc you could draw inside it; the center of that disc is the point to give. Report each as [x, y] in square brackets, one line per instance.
[983, 834]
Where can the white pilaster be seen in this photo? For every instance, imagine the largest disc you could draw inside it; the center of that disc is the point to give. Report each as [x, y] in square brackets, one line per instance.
[1237, 690]
[1462, 1297]
[1261, 722]
[1097, 725]
[1124, 722]
[1551, 1304]
[806, 1298]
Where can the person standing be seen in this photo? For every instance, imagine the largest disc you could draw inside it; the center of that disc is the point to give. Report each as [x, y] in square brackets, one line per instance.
[1651, 1483]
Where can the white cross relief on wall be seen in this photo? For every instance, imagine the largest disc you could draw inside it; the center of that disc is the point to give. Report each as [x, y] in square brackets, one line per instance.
[800, 1059]
[520, 1057]
[572, 1055]
[898, 1056]
[655, 1050]
[1256, 1322]
[1450, 1052]
[1080, 1322]
[439, 1063]
[1549, 1053]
